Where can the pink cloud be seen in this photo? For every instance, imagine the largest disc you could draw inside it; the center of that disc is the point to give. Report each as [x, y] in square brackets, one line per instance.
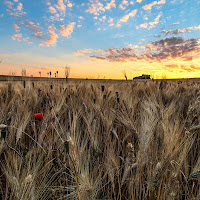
[110, 5]
[68, 30]
[125, 18]
[15, 26]
[20, 7]
[60, 5]
[16, 36]
[52, 39]
[86, 51]
[149, 6]
[151, 24]
[52, 10]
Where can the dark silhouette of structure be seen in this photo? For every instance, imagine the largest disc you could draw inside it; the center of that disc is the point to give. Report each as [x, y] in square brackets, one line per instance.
[144, 76]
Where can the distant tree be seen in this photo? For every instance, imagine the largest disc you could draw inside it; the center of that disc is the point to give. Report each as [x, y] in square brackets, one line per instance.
[57, 73]
[47, 74]
[40, 74]
[23, 72]
[50, 74]
[67, 71]
[124, 73]
[13, 73]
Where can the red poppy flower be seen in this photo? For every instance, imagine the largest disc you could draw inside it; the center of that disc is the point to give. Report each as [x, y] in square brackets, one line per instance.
[39, 116]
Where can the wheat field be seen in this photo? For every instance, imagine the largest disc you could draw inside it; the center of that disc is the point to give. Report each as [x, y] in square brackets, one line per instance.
[100, 140]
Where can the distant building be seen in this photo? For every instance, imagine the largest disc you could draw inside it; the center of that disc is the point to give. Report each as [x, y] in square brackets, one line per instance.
[144, 76]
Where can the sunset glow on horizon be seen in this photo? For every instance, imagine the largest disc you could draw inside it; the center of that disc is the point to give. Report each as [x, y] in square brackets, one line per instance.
[100, 38]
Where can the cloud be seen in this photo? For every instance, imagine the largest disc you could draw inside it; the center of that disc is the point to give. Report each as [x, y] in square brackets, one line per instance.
[176, 23]
[52, 10]
[125, 18]
[86, 51]
[33, 27]
[182, 68]
[139, 1]
[20, 7]
[36, 36]
[52, 39]
[177, 31]
[110, 5]
[96, 7]
[16, 36]
[9, 4]
[15, 26]
[13, 9]
[124, 4]
[150, 24]
[69, 5]
[149, 6]
[60, 5]
[163, 50]
[68, 30]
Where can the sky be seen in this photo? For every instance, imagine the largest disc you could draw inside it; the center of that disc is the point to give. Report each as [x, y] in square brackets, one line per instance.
[100, 38]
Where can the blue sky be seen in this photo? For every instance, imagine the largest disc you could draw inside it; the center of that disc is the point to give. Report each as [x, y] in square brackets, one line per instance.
[100, 37]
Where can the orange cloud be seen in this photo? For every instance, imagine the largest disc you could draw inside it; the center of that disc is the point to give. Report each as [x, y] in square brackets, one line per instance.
[86, 51]
[52, 10]
[68, 30]
[20, 7]
[177, 31]
[149, 6]
[150, 24]
[60, 5]
[14, 11]
[15, 26]
[16, 36]
[159, 51]
[96, 7]
[52, 39]
[110, 5]
[125, 18]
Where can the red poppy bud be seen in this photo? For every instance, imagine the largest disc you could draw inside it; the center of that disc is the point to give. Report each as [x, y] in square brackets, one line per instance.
[39, 116]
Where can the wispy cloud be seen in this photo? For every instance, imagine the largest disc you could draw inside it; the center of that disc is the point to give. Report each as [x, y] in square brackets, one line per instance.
[52, 10]
[86, 51]
[60, 5]
[15, 9]
[52, 39]
[110, 5]
[176, 23]
[149, 6]
[15, 26]
[150, 24]
[177, 31]
[66, 31]
[96, 7]
[16, 36]
[181, 68]
[124, 4]
[125, 18]
[159, 51]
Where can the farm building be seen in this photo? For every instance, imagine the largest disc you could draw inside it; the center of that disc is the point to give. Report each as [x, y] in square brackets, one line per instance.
[144, 76]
